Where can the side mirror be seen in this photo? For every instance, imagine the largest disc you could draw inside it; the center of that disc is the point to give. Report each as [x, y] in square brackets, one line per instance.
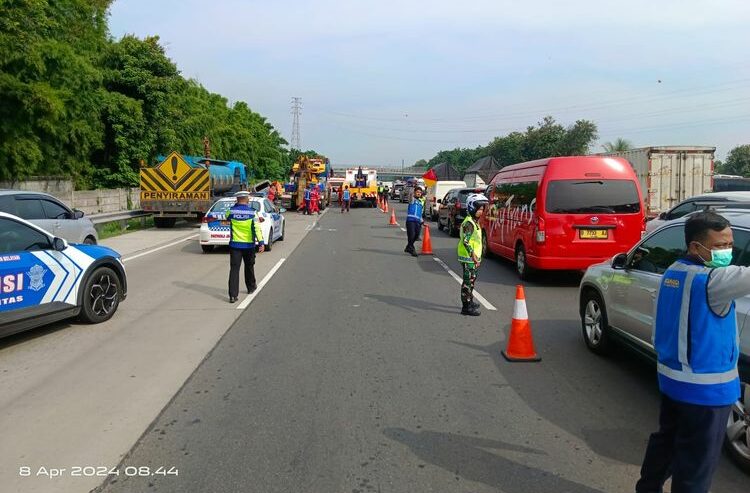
[59, 244]
[619, 261]
[662, 216]
[439, 201]
[78, 214]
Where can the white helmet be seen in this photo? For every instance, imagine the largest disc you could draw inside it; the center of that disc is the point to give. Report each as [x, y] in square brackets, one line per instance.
[476, 200]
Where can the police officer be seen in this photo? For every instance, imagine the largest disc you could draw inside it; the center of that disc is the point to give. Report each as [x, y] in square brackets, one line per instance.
[308, 195]
[696, 342]
[470, 251]
[414, 220]
[245, 237]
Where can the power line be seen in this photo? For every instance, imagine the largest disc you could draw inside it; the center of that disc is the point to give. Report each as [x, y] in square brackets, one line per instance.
[296, 112]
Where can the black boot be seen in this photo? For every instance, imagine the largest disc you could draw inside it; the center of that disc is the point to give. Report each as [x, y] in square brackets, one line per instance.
[475, 304]
[469, 309]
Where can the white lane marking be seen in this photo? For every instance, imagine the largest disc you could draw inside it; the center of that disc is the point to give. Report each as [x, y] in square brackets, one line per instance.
[403, 229]
[455, 276]
[250, 297]
[147, 252]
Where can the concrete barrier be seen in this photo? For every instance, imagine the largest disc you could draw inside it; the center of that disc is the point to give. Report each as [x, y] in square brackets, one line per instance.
[89, 201]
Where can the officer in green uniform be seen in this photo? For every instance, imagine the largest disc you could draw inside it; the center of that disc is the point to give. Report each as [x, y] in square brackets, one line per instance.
[245, 237]
[470, 251]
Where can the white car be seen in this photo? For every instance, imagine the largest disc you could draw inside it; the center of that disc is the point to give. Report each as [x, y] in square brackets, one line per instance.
[215, 229]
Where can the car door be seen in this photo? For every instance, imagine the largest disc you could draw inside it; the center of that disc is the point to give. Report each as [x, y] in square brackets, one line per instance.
[275, 217]
[634, 288]
[34, 278]
[65, 224]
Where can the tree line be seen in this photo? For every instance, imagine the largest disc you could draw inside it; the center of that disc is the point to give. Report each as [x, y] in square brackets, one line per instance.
[76, 102]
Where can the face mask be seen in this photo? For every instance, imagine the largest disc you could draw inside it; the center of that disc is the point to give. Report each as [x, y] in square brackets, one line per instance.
[719, 258]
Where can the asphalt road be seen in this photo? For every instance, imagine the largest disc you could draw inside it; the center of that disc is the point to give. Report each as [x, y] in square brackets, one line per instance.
[353, 371]
[75, 395]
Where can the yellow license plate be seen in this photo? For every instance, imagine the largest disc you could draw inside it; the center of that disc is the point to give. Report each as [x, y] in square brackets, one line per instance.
[593, 234]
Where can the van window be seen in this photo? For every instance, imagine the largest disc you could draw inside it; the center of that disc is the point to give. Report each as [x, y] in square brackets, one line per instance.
[523, 193]
[592, 196]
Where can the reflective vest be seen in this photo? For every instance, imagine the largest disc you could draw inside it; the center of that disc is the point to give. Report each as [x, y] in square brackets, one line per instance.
[475, 241]
[346, 194]
[307, 194]
[697, 350]
[415, 211]
[245, 231]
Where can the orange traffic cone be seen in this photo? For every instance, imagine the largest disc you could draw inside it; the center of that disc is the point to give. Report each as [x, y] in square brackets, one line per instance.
[520, 343]
[426, 241]
[385, 206]
[393, 218]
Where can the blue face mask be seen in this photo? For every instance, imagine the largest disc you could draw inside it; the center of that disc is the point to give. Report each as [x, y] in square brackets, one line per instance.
[721, 257]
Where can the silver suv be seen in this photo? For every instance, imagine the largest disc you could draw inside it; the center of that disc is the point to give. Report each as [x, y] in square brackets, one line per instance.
[616, 302]
[50, 214]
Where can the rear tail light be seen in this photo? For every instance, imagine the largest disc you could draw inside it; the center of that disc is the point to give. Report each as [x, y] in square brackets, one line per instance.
[540, 234]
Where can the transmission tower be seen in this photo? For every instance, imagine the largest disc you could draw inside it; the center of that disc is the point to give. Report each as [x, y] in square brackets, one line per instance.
[296, 111]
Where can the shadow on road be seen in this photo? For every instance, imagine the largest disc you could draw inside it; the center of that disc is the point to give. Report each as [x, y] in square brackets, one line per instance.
[413, 305]
[218, 292]
[396, 251]
[539, 386]
[467, 458]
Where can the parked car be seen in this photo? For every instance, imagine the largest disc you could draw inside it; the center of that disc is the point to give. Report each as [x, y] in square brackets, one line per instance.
[438, 191]
[697, 203]
[43, 279]
[563, 213]
[616, 304]
[215, 229]
[50, 214]
[453, 209]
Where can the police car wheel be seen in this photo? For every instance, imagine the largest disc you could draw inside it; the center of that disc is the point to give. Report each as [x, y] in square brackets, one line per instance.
[207, 248]
[269, 245]
[594, 322]
[283, 227]
[101, 296]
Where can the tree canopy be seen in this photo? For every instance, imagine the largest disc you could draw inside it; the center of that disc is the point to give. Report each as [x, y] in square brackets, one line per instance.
[548, 138]
[737, 162]
[75, 102]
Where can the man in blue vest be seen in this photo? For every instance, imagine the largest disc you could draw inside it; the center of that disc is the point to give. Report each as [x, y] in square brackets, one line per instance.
[697, 347]
[346, 199]
[245, 236]
[308, 195]
[414, 220]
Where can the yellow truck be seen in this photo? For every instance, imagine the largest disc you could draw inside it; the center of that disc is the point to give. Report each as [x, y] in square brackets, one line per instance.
[363, 185]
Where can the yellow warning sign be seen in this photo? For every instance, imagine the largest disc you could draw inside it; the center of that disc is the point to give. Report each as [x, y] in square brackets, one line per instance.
[175, 179]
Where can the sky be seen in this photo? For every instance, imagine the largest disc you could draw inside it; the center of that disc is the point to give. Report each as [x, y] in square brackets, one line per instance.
[386, 81]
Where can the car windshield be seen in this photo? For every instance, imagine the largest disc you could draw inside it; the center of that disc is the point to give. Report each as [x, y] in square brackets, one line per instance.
[224, 205]
[592, 196]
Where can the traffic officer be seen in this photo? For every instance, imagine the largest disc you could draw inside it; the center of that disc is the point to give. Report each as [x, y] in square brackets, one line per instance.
[470, 250]
[245, 237]
[696, 342]
[308, 194]
[414, 220]
[386, 191]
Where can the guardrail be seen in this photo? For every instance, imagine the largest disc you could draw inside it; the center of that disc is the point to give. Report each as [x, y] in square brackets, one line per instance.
[110, 217]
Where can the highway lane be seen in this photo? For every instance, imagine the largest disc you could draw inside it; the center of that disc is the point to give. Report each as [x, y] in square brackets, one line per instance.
[368, 379]
[81, 395]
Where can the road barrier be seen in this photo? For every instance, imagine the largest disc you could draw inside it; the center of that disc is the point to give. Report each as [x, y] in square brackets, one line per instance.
[393, 218]
[426, 241]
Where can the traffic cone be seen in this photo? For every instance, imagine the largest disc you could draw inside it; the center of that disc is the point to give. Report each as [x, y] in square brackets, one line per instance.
[393, 218]
[520, 345]
[426, 241]
[385, 206]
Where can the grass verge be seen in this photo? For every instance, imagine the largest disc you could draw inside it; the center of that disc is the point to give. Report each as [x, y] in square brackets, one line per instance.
[118, 228]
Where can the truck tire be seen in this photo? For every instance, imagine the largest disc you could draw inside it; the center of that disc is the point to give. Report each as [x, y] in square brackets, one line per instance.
[165, 222]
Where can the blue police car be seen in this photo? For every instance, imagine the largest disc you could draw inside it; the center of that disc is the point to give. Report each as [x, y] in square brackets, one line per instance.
[43, 279]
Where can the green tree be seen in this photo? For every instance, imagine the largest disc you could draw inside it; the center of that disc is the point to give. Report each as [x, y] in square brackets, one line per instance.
[619, 145]
[420, 163]
[737, 162]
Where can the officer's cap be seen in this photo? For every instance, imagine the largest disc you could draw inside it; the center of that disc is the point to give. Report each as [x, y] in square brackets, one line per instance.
[242, 193]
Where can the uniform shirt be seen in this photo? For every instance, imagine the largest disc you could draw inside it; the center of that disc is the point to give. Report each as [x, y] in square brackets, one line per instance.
[346, 194]
[415, 212]
[245, 228]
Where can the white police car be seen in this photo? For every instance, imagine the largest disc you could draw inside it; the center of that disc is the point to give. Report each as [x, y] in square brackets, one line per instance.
[43, 279]
[215, 228]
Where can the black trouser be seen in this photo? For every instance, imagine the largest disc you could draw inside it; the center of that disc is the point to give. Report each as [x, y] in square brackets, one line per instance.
[236, 257]
[412, 232]
[686, 447]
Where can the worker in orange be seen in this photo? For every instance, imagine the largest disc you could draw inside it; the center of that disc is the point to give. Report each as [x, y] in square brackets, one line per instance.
[314, 200]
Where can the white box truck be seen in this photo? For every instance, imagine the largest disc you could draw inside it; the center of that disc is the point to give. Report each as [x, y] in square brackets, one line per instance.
[669, 175]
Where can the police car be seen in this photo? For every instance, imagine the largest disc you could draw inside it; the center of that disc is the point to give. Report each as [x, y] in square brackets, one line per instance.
[214, 229]
[43, 279]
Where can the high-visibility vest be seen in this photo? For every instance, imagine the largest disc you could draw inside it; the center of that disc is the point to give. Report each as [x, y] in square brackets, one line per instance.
[475, 241]
[245, 231]
[415, 211]
[697, 350]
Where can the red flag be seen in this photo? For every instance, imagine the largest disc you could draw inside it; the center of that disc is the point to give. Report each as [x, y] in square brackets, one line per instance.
[430, 178]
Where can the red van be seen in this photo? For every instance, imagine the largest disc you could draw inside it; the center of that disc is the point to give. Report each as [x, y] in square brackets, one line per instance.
[563, 213]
